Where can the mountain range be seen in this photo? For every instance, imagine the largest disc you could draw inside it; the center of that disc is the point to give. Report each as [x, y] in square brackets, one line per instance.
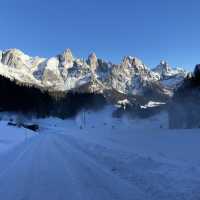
[131, 80]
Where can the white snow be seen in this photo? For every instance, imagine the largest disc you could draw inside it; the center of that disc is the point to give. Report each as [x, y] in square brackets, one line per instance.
[152, 104]
[123, 103]
[173, 81]
[12, 136]
[95, 156]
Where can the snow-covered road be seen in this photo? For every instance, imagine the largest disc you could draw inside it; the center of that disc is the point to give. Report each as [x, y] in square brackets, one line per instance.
[106, 159]
[49, 167]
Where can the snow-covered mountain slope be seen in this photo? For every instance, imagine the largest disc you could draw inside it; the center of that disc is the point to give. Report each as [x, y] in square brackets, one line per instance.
[64, 73]
[168, 76]
[99, 157]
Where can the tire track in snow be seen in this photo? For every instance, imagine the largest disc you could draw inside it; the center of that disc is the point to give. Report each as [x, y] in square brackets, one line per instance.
[111, 186]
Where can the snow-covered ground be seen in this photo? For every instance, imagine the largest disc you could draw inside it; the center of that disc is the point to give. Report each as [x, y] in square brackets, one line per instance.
[95, 156]
[12, 136]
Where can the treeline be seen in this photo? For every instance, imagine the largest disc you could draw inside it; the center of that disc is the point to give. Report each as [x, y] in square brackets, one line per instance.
[33, 101]
[185, 108]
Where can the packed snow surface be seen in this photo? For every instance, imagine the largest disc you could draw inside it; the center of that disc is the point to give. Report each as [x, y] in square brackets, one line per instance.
[95, 156]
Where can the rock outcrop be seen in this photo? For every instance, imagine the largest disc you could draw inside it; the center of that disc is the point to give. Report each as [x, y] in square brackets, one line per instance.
[92, 61]
[66, 59]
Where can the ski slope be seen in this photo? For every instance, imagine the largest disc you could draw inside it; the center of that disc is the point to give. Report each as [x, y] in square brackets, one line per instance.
[100, 158]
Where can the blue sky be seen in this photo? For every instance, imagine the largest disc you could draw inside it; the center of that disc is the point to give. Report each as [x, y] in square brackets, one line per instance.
[149, 29]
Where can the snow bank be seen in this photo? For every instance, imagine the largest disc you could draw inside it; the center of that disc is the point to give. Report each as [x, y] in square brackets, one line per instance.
[12, 136]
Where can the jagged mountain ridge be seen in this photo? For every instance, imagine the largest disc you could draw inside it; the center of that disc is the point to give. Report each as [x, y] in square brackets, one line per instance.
[65, 73]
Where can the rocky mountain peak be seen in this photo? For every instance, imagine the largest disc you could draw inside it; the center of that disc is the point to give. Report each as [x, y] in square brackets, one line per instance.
[14, 58]
[67, 58]
[131, 60]
[134, 63]
[163, 68]
[14, 51]
[92, 61]
[168, 76]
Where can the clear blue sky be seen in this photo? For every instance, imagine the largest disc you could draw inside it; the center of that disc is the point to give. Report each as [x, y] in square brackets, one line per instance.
[150, 29]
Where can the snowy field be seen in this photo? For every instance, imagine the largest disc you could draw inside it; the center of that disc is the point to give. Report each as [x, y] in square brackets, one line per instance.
[97, 157]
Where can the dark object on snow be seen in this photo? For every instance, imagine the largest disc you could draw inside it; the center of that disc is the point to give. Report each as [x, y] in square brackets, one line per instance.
[33, 127]
[12, 124]
[114, 169]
